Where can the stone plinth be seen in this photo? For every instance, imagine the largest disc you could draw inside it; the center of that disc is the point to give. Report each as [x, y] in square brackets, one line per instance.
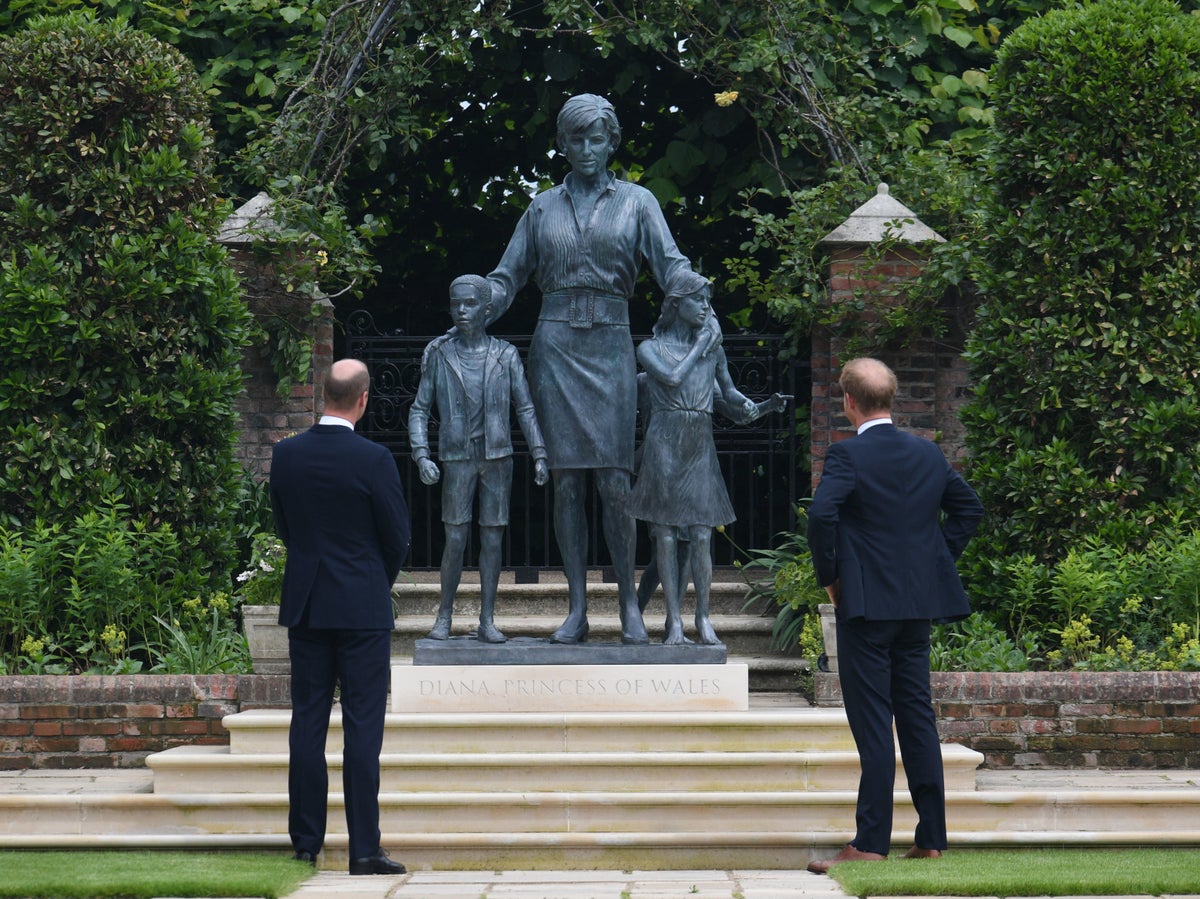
[570, 688]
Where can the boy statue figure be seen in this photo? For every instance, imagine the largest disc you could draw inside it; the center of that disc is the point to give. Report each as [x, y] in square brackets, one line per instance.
[474, 380]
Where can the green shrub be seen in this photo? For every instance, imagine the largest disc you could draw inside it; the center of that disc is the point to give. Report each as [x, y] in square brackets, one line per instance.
[102, 594]
[121, 326]
[783, 579]
[1100, 606]
[1086, 422]
[205, 639]
[261, 584]
[977, 644]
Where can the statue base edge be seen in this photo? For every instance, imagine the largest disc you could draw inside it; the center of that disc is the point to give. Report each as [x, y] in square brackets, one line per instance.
[540, 651]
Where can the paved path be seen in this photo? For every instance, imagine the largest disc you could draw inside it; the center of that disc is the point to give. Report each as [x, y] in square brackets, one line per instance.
[574, 885]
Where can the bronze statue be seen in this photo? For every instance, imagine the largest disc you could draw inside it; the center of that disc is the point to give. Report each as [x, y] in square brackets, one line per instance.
[584, 242]
[474, 381]
[680, 492]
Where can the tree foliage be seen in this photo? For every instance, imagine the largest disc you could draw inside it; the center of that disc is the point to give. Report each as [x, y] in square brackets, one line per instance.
[737, 116]
[430, 124]
[1087, 350]
[120, 321]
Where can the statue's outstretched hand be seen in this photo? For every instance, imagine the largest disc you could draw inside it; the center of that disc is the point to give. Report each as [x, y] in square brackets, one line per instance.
[776, 402]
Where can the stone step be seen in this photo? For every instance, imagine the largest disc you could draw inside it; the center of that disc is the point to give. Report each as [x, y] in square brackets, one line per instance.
[766, 787]
[742, 634]
[580, 830]
[774, 729]
[421, 597]
[191, 770]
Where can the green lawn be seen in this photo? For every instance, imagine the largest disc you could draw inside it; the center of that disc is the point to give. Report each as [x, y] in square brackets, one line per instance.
[141, 875]
[1028, 872]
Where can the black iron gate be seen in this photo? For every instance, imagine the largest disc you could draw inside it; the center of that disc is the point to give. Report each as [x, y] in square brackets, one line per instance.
[765, 470]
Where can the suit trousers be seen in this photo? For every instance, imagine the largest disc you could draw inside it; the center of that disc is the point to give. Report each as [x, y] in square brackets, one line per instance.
[884, 671]
[360, 661]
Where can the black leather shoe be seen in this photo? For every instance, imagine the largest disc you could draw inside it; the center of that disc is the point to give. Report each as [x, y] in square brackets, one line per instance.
[379, 863]
[303, 855]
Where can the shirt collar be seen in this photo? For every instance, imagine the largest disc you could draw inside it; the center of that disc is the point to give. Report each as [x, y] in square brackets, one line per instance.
[336, 420]
[867, 425]
[609, 184]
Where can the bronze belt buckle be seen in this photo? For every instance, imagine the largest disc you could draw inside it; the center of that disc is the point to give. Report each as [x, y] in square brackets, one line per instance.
[583, 310]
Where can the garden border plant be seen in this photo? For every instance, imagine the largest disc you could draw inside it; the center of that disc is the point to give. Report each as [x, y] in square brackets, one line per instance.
[123, 332]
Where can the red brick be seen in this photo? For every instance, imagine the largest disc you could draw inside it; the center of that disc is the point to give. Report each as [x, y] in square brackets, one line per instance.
[1135, 726]
[33, 710]
[136, 710]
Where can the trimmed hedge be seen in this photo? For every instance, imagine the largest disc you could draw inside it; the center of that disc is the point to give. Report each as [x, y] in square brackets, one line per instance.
[121, 324]
[1086, 423]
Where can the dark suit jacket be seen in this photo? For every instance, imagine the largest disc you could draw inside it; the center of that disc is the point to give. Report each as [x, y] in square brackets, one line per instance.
[876, 523]
[340, 510]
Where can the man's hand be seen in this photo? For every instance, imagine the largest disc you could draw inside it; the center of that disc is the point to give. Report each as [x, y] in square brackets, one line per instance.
[835, 592]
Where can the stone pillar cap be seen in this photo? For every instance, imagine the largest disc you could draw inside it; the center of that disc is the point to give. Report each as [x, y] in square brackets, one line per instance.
[881, 217]
[249, 221]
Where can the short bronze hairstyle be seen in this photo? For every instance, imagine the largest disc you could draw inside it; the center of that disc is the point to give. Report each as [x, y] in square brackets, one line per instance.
[481, 286]
[581, 112]
[345, 383]
[870, 382]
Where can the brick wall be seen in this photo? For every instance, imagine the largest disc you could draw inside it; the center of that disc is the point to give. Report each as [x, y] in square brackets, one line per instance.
[1072, 719]
[1043, 720]
[932, 375]
[267, 417]
[115, 722]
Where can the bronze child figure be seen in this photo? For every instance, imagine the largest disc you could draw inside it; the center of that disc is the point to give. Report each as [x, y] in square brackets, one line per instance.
[679, 491]
[474, 381]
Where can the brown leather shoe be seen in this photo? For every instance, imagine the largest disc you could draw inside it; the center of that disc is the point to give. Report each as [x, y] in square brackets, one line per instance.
[849, 854]
[918, 852]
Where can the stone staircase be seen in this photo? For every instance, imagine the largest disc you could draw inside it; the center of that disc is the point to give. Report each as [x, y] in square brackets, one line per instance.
[767, 787]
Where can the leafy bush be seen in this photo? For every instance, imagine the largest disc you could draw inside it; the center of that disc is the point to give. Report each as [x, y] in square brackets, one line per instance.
[262, 583]
[1102, 606]
[1086, 422]
[120, 322]
[977, 644]
[101, 594]
[205, 641]
[783, 578]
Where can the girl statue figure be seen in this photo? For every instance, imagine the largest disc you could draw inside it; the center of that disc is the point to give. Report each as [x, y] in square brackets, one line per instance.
[680, 492]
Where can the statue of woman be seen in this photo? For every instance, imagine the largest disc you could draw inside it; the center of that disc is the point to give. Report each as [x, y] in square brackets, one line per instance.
[583, 242]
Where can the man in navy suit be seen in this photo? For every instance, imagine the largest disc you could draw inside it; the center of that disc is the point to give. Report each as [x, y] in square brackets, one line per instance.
[340, 511]
[886, 524]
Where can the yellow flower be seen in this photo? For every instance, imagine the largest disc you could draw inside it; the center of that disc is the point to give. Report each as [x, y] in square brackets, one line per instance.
[32, 647]
[113, 639]
[322, 257]
[726, 98]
